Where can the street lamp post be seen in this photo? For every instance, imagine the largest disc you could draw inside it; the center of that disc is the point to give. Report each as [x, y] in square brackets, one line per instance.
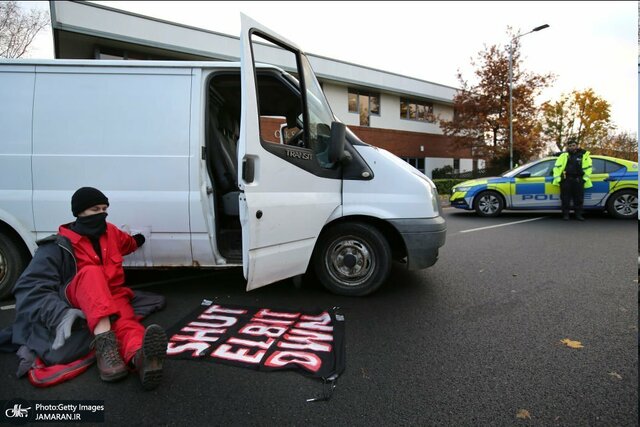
[541, 27]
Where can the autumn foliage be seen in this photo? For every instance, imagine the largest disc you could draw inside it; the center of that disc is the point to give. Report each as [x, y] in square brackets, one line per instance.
[585, 116]
[481, 109]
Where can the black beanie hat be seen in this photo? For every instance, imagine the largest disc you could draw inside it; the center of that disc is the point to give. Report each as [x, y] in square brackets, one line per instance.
[86, 197]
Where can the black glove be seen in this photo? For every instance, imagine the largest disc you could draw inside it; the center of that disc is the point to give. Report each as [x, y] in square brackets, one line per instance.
[139, 239]
[63, 330]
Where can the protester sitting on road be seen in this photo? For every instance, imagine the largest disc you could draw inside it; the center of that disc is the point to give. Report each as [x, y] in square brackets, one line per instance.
[82, 277]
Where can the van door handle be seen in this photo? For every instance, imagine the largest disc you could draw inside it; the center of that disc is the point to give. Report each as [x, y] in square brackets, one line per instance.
[248, 170]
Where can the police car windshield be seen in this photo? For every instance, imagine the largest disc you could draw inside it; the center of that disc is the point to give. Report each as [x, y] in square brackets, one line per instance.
[515, 171]
[541, 170]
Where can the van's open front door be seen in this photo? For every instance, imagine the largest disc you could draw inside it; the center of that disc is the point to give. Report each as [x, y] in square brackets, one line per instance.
[290, 191]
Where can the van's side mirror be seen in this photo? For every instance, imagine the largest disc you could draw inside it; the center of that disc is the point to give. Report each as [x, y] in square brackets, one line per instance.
[338, 140]
[524, 175]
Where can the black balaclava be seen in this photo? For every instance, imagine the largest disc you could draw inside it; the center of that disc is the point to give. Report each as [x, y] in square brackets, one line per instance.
[92, 226]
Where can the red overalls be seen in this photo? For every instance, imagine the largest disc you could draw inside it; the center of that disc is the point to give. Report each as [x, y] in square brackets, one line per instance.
[98, 287]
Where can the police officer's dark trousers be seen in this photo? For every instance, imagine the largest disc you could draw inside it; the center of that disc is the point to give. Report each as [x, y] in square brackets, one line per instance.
[572, 189]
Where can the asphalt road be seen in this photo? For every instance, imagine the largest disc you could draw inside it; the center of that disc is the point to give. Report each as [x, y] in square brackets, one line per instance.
[471, 341]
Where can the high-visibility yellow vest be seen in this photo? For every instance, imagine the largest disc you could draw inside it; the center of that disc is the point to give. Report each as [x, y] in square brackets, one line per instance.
[561, 164]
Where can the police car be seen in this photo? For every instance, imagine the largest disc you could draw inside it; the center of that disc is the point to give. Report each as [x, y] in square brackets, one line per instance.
[615, 189]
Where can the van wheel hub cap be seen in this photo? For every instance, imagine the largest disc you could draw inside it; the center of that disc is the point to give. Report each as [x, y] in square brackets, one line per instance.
[350, 262]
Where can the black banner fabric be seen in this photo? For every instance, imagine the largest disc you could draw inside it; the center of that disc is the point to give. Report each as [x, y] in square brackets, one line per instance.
[261, 338]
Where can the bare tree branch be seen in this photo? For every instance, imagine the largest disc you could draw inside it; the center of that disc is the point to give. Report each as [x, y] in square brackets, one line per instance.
[19, 28]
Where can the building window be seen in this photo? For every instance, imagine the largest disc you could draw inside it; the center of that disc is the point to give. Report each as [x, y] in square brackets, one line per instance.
[416, 110]
[456, 165]
[365, 104]
[416, 162]
[111, 53]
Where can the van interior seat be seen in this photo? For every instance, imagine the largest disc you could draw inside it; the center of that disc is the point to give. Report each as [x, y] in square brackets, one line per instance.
[223, 140]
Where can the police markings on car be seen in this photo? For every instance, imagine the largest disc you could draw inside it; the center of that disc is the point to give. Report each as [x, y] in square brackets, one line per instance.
[615, 189]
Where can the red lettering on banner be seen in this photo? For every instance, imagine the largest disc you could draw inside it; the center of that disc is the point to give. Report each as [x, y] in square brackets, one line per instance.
[248, 343]
[240, 355]
[280, 359]
[273, 321]
[257, 329]
[316, 323]
[221, 321]
[301, 339]
[265, 312]
[219, 309]
[207, 325]
[197, 347]
[201, 334]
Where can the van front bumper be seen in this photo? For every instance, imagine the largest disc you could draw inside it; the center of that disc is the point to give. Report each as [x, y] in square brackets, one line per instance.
[422, 239]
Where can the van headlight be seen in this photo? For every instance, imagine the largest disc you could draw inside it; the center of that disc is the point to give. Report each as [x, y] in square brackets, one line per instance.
[435, 201]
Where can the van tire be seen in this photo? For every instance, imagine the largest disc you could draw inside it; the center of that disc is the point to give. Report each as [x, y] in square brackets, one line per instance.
[12, 263]
[352, 259]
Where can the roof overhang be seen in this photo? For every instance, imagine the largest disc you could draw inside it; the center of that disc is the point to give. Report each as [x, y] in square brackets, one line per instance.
[80, 27]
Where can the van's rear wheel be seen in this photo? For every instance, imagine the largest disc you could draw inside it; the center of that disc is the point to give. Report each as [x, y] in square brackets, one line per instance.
[12, 263]
[352, 259]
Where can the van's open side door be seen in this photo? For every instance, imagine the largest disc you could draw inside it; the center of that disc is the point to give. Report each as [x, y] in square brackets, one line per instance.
[288, 192]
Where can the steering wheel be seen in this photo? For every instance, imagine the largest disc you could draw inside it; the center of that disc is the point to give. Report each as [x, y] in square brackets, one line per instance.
[297, 139]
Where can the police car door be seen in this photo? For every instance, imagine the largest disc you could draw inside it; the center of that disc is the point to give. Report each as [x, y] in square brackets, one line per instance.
[288, 194]
[532, 187]
[604, 177]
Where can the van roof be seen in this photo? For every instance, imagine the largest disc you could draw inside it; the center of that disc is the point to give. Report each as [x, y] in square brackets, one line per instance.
[128, 63]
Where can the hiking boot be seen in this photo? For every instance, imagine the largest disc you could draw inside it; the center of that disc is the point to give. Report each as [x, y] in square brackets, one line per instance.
[148, 360]
[579, 217]
[565, 217]
[110, 364]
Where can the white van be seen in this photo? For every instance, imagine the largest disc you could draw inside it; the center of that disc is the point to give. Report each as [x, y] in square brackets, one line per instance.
[218, 164]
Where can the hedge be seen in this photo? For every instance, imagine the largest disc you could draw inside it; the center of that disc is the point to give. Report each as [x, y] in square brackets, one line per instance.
[444, 185]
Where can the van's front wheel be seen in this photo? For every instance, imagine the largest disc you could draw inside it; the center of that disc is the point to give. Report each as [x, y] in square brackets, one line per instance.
[12, 263]
[352, 259]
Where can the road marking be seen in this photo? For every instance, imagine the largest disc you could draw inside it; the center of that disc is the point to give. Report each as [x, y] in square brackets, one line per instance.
[8, 307]
[502, 225]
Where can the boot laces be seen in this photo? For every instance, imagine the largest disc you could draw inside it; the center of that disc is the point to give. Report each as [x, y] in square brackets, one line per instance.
[107, 346]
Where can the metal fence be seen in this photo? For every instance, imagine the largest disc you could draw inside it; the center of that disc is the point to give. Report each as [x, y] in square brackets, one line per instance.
[478, 173]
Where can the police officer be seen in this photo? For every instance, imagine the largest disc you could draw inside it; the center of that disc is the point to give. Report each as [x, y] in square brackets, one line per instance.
[572, 172]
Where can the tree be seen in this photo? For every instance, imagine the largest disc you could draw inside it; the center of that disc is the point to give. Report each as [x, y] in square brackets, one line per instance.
[481, 111]
[618, 144]
[18, 28]
[582, 115]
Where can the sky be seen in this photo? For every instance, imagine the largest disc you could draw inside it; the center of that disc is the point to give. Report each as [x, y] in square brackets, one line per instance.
[587, 45]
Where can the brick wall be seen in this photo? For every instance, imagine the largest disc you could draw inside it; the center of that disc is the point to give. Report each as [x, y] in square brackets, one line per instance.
[407, 144]
[399, 142]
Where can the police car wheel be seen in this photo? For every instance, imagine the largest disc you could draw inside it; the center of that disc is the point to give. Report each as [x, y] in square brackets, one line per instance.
[623, 204]
[352, 259]
[488, 204]
[12, 263]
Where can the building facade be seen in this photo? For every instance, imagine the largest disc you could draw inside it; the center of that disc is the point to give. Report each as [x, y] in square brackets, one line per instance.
[387, 110]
